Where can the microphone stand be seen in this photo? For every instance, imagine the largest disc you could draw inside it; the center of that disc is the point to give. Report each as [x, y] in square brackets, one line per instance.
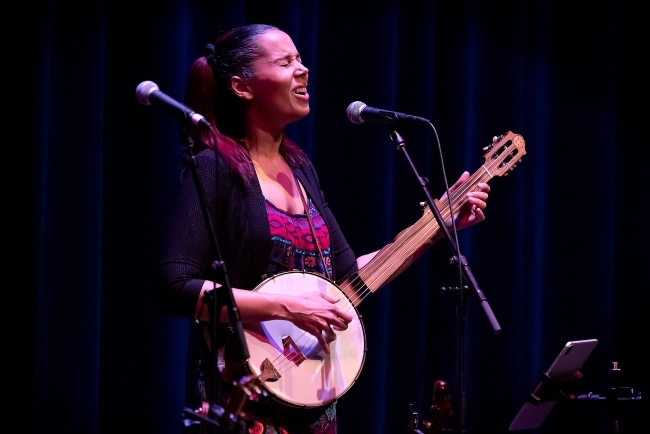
[468, 277]
[216, 298]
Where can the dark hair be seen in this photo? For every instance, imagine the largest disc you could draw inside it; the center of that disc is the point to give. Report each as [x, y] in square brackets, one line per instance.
[208, 92]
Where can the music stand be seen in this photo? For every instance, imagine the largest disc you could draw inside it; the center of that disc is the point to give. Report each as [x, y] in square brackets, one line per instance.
[560, 380]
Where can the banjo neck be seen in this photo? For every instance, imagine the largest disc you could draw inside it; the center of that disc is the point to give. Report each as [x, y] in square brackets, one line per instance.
[393, 258]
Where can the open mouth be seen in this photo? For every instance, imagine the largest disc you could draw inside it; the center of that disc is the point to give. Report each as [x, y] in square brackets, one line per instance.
[300, 91]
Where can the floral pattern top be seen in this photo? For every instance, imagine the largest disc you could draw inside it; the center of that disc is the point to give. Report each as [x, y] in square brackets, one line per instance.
[293, 246]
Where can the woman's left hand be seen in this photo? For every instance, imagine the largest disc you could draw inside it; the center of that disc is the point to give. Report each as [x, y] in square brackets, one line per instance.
[472, 211]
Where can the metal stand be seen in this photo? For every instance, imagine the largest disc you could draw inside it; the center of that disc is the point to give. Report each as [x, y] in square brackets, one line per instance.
[216, 299]
[619, 401]
[467, 276]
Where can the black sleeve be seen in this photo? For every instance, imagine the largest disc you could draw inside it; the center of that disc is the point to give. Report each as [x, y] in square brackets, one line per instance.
[187, 247]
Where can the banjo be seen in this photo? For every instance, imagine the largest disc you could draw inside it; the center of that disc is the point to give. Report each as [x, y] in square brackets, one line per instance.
[290, 363]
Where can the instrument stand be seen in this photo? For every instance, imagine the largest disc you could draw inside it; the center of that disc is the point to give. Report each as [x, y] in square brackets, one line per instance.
[216, 298]
[467, 277]
[439, 412]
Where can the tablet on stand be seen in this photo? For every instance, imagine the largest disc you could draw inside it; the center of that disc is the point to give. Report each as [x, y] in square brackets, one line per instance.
[560, 378]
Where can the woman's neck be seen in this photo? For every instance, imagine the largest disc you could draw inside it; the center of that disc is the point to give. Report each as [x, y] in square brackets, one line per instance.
[264, 145]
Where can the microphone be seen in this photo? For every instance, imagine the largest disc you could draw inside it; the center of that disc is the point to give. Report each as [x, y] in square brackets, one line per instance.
[359, 112]
[148, 92]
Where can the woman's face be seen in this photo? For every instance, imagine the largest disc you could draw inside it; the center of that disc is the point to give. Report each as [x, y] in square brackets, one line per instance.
[279, 88]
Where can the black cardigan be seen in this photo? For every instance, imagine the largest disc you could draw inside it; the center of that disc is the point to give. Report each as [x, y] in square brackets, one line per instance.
[238, 215]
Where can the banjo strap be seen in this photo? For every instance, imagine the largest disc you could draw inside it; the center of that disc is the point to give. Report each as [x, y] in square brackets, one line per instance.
[311, 227]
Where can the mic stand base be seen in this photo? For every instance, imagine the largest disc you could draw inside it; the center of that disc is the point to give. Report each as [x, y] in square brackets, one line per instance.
[191, 417]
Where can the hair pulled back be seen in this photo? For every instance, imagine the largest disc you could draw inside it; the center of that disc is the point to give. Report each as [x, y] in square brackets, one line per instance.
[208, 92]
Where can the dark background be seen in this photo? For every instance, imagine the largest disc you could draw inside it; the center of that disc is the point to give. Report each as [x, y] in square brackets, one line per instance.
[562, 255]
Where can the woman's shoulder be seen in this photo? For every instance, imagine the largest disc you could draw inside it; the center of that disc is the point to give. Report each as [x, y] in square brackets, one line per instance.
[206, 153]
[209, 155]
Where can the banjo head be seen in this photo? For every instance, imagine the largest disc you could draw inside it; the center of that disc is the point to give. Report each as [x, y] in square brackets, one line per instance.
[291, 363]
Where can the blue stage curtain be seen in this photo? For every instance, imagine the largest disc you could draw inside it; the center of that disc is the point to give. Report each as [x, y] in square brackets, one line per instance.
[560, 257]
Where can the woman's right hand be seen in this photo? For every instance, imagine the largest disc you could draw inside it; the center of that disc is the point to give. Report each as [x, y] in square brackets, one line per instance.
[318, 315]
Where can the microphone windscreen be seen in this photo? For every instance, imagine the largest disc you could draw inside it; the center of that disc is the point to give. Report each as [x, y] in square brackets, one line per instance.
[143, 91]
[354, 112]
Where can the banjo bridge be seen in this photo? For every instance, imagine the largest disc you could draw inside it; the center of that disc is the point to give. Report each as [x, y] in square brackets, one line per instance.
[291, 351]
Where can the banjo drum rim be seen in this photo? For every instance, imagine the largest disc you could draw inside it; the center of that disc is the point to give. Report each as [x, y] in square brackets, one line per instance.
[273, 394]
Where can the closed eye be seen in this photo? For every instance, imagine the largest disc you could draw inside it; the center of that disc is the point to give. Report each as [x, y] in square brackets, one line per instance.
[288, 61]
